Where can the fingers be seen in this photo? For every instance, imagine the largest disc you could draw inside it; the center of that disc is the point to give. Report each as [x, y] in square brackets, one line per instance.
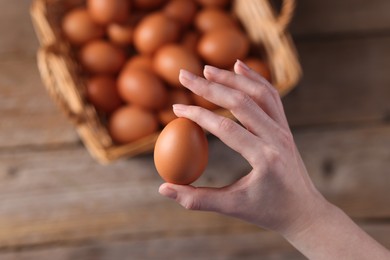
[258, 90]
[206, 199]
[240, 104]
[242, 69]
[243, 141]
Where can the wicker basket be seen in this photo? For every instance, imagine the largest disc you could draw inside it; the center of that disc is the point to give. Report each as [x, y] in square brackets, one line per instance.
[61, 73]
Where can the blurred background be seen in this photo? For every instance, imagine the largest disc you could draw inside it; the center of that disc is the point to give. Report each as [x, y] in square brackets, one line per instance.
[56, 202]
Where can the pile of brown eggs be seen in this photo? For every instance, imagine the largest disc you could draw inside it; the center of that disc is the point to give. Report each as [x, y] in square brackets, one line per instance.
[132, 51]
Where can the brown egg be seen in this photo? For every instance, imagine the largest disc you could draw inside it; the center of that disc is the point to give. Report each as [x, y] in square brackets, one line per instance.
[137, 16]
[171, 58]
[210, 19]
[79, 28]
[202, 102]
[142, 88]
[166, 114]
[70, 4]
[130, 123]
[140, 62]
[100, 56]
[259, 66]
[154, 31]
[182, 11]
[103, 93]
[181, 152]
[148, 4]
[120, 34]
[190, 40]
[222, 47]
[109, 11]
[214, 3]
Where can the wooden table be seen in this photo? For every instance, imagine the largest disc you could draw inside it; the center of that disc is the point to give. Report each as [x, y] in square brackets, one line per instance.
[57, 203]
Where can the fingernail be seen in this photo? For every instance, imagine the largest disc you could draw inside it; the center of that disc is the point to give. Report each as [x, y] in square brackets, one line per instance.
[168, 192]
[210, 69]
[178, 107]
[187, 75]
[243, 65]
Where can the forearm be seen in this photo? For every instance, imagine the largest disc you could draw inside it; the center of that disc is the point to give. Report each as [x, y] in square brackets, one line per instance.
[335, 236]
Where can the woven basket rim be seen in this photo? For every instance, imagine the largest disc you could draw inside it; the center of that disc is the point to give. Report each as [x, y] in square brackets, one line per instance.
[57, 71]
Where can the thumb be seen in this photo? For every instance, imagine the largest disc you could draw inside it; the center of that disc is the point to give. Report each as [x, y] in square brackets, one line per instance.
[193, 198]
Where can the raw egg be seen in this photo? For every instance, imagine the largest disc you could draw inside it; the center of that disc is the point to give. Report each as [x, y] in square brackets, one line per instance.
[182, 11]
[143, 88]
[109, 11]
[69, 4]
[147, 4]
[166, 114]
[79, 28]
[259, 66]
[202, 102]
[171, 58]
[214, 3]
[103, 57]
[190, 40]
[210, 19]
[154, 31]
[130, 123]
[181, 152]
[222, 47]
[120, 34]
[103, 93]
[140, 62]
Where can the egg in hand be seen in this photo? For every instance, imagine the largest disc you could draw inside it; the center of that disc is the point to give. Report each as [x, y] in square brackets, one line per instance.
[181, 152]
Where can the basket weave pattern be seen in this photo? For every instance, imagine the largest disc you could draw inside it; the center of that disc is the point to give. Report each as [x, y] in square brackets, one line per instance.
[61, 73]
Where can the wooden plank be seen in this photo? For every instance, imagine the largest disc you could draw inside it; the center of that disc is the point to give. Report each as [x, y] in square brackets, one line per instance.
[345, 80]
[340, 17]
[249, 245]
[236, 245]
[28, 115]
[17, 35]
[62, 195]
[350, 167]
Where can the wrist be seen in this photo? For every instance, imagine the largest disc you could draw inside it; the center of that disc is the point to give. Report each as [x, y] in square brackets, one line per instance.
[333, 235]
[317, 212]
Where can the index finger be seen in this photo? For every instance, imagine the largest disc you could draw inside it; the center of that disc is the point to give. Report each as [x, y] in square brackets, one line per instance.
[228, 131]
[261, 91]
[241, 105]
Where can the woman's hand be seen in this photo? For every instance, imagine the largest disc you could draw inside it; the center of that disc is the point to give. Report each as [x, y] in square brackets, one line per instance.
[277, 194]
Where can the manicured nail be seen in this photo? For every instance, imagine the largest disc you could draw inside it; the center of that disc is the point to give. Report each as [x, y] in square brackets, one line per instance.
[179, 110]
[187, 75]
[210, 69]
[179, 107]
[168, 192]
[243, 65]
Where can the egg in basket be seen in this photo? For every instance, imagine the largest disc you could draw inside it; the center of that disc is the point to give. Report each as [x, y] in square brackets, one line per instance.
[113, 65]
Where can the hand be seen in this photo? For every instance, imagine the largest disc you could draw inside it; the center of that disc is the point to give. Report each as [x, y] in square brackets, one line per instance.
[278, 193]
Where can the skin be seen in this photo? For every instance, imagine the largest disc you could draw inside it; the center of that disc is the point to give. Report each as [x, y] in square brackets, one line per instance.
[278, 193]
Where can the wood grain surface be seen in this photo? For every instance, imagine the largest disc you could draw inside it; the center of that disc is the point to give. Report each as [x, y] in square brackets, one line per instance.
[345, 81]
[58, 203]
[236, 245]
[314, 18]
